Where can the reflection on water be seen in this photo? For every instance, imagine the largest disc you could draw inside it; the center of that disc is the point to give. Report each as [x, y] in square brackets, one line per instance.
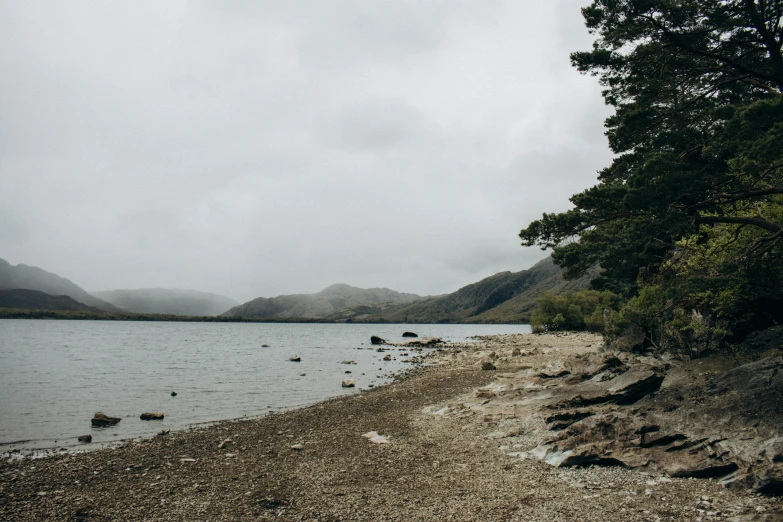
[54, 375]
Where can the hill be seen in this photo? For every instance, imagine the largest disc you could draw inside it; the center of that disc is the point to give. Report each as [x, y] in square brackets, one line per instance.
[506, 297]
[34, 278]
[167, 301]
[323, 304]
[37, 300]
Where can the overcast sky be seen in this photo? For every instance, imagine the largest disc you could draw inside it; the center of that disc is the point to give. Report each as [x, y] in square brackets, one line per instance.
[256, 148]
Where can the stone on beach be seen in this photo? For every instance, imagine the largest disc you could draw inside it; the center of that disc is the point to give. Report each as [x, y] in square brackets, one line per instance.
[85, 438]
[409, 334]
[387, 358]
[101, 420]
[349, 383]
[375, 438]
[297, 447]
[377, 340]
[487, 365]
[295, 358]
[152, 415]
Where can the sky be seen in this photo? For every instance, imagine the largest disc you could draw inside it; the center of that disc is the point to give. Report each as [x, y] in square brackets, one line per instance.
[257, 148]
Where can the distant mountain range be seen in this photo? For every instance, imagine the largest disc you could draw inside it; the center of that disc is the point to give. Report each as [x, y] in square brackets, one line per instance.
[36, 300]
[323, 304]
[34, 278]
[167, 301]
[506, 297]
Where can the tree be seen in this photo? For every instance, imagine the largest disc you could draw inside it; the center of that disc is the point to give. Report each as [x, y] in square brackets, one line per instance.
[693, 198]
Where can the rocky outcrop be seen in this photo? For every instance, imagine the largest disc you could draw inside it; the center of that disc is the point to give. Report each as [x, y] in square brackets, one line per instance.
[666, 417]
[152, 415]
[377, 340]
[101, 420]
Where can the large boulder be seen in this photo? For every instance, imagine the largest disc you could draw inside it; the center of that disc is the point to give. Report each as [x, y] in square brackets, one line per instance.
[349, 383]
[377, 340]
[409, 334]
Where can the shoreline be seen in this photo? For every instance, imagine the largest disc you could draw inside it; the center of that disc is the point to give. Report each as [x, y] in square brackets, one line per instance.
[312, 463]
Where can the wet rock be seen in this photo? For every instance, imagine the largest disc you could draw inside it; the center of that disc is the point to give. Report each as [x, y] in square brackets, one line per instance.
[377, 340]
[349, 383]
[409, 334]
[85, 439]
[348, 362]
[295, 358]
[264, 346]
[387, 358]
[152, 415]
[423, 342]
[101, 420]
[173, 394]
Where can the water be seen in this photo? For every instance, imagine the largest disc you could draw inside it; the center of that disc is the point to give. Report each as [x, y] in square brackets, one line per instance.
[54, 375]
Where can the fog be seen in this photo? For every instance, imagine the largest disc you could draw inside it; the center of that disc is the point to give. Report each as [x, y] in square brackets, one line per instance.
[255, 148]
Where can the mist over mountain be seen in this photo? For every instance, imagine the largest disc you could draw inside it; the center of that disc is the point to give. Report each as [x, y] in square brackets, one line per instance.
[324, 303]
[37, 300]
[34, 278]
[168, 301]
[506, 297]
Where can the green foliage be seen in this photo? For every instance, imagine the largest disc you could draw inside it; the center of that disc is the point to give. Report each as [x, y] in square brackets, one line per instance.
[572, 311]
[687, 221]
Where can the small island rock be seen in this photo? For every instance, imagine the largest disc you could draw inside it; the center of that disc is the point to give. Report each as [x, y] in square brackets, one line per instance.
[101, 419]
[409, 334]
[152, 415]
[377, 340]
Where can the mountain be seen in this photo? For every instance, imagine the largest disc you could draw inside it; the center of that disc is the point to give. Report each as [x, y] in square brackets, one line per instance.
[506, 297]
[37, 300]
[322, 304]
[167, 301]
[34, 278]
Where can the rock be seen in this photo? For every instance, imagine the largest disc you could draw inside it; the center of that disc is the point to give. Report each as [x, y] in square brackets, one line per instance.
[492, 356]
[377, 340]
[173, 394]
[631, 339]
[348, 362]
[297, 447]
[164, 432]
[295, 358]
[349, 383]
[85, 438]
[427, 342]
[152, 415]
[302, 375]
[409, 334]
[264, 346]
[487, 365]
[375, 438]
[387, 358]
[516, 352]
[102, 420]
[348, 371]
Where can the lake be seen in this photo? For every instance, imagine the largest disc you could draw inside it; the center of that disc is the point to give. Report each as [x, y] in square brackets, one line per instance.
[54, 375]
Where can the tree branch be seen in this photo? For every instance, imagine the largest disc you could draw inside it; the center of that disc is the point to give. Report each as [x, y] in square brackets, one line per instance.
[755, 221]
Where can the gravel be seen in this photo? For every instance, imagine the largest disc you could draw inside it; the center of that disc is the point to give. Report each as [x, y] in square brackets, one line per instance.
[314, 464]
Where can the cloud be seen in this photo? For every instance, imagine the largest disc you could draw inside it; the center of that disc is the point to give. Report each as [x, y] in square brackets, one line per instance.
[258, 148]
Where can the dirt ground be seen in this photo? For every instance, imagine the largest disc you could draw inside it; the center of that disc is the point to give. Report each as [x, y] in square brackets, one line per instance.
[314, 464]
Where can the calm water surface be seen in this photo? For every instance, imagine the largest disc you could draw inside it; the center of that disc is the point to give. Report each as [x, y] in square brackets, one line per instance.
[54, 375]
